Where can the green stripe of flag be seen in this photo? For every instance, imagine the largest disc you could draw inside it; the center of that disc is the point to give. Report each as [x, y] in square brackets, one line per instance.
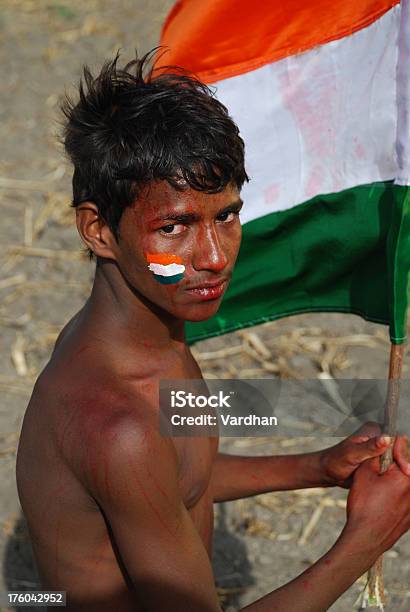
[398, 262]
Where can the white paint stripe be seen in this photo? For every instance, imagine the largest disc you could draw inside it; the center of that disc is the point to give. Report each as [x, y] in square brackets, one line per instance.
[318, 122]
[168, 270]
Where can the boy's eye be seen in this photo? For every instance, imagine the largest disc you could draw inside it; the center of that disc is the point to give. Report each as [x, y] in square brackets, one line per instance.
[173, 228]
[227, 216]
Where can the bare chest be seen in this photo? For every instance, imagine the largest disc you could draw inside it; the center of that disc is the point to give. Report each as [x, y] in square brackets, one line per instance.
[196, 457]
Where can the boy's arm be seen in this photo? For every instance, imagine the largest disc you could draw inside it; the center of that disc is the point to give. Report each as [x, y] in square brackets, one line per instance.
[378, 513]
[322, 583]
[235, 476]
[136, 487]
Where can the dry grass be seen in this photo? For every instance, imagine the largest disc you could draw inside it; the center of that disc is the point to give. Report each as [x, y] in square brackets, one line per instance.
[273, 356]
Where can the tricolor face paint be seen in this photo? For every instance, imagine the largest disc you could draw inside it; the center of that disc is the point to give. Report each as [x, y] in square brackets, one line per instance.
[167, 269]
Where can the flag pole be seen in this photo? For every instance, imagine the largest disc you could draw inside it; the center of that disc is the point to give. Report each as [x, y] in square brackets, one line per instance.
[374, 591]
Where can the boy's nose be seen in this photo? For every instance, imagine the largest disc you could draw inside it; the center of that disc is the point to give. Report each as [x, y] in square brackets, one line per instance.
[208, 252]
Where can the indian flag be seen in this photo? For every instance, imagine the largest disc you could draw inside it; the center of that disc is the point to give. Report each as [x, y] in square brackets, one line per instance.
[166, 268]
[321, 94]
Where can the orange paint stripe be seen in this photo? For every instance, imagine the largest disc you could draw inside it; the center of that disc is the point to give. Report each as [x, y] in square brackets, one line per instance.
[219, 39]
[163, 258]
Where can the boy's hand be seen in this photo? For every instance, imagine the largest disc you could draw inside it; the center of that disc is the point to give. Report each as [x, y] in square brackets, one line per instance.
[378, 506]
[340, 462]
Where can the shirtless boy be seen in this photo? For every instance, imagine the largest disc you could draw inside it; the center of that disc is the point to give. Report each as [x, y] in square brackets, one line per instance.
[121, 517]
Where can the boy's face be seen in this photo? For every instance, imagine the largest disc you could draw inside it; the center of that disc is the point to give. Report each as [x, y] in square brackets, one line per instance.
[178, 248]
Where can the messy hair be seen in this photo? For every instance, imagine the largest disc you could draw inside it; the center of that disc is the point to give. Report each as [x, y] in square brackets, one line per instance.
[137, 124]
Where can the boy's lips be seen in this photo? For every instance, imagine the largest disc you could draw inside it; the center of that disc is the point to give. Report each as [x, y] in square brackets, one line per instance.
[208, 284]
[210, 290]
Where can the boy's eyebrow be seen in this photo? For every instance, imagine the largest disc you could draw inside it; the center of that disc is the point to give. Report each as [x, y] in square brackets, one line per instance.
[191, 217]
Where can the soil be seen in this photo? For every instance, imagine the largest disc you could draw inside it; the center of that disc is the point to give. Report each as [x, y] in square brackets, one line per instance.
[262, 542]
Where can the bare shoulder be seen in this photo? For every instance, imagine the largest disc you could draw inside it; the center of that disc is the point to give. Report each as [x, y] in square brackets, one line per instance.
[84, 405]
[129, 448]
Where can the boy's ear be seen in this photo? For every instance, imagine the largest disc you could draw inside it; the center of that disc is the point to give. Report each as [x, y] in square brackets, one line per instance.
[94, 231]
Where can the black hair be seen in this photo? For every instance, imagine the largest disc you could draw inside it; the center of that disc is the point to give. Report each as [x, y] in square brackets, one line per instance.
[137, 124]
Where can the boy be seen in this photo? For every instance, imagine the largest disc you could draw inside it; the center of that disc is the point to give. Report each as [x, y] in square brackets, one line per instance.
[121, 517]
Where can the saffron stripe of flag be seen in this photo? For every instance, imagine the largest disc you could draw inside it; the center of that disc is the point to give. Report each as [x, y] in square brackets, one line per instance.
[319, 91]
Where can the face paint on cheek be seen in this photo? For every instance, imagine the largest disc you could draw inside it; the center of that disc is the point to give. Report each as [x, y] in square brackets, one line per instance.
[167, 269]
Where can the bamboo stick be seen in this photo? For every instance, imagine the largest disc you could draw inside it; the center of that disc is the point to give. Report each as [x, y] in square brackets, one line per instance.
[374, 594]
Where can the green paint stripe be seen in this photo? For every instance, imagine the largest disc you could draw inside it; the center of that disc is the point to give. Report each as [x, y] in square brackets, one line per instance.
[329, 254]
[168, 280]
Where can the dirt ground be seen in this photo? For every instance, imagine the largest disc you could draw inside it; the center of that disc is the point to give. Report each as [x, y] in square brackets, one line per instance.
[260, 543]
